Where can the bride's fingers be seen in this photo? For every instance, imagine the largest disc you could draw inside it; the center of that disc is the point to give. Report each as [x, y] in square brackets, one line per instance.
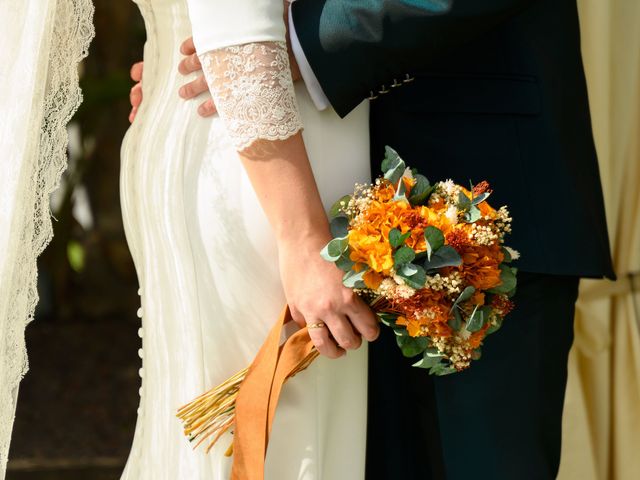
[194, 88]
[207, 108]
[189, 64]
[342, 331]
[323, 342]
[364, 320]
[187, 47]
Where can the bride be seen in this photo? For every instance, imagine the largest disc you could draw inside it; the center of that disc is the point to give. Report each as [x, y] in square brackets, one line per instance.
[225, 218]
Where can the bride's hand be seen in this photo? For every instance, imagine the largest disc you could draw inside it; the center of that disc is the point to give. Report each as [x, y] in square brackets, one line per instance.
[316, 296]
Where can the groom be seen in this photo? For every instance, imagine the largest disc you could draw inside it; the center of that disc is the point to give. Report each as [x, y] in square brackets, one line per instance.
[483, 90]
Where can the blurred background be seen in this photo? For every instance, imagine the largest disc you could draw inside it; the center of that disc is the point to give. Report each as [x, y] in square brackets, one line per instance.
[77, 405]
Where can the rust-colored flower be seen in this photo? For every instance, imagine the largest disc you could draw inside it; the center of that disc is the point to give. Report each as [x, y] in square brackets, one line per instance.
[480, 266]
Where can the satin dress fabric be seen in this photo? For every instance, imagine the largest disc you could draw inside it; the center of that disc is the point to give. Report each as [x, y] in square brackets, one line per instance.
[207, 264]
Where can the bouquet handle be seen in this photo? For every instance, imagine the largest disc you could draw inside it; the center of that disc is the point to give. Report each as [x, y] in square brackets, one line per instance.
[259, 393]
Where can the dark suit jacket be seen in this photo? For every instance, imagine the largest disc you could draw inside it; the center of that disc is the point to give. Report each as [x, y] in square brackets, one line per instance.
[498, 94]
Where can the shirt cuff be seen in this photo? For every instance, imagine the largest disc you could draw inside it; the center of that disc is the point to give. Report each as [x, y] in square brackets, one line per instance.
[320, 100]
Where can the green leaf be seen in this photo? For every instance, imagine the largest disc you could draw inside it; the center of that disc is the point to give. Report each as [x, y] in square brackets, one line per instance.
[388, 319]
[476, 321]
[465, 295]
[434, 238]
[442, 369]
[472, 215]
[393, 166]
[420, 191]
[430, 358]
[507, 255]
[338, 246]
[403, 255]
[480, 198]
[455, 322]
[401, 192]
[412, 346]
[396, 238]
[344, 263]
[496, 327]
[508, 278]
[417, 280]
[353, 279]
[339, 226]
[464, 203]
[408, 269]
[446, 256]
[337, 208]
[476, 354]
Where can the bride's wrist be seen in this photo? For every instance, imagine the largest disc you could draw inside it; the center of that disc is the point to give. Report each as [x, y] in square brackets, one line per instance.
[312, 236]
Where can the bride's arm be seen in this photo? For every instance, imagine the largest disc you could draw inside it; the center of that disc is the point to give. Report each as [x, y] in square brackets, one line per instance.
[252, 88]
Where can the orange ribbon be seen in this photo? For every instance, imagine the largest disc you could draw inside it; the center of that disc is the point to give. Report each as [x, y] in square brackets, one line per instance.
[259, 393]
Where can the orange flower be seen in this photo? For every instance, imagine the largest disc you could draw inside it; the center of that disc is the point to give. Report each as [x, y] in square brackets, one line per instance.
[372, 279]
[480, 266]
[413, 326]
[373, 250]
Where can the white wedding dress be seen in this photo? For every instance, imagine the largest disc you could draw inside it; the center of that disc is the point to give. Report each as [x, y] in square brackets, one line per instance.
[207, 259]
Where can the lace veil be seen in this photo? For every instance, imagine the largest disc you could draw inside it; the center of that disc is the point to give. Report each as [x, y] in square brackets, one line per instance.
[41, 43]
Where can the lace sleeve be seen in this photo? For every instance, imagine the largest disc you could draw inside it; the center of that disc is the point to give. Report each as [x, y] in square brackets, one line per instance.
[253, 91]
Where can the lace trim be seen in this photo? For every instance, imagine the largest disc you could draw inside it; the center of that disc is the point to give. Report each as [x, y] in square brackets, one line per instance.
[253, 91]
[68, 44]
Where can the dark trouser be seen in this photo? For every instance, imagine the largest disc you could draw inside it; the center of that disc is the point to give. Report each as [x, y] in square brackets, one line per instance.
[499, 420]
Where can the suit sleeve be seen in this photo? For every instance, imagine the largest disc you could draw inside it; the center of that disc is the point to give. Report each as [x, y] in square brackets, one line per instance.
[355, 46]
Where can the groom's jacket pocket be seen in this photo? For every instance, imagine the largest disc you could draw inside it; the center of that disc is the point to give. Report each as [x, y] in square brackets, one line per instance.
[469, 93]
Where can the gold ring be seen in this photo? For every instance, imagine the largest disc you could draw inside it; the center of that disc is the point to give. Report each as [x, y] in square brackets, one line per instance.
[316, 325]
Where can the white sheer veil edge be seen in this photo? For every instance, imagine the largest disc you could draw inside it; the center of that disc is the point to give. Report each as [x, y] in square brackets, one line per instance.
[65, 38]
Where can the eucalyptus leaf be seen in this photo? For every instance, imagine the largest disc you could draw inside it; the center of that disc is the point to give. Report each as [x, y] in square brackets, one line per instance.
[412, 346]
[396, 166]
[430, 358]
[344, 263]
[339, 226]
[396, 238]
[420, 191]
[476, 321]
[333, 250]
[409, 269]
[337, 208]
[464, 202]
[434, 239]
[403, 255]
[442, 369]
[353, 279]
[337, 247]
[472, 215]
[495, 327]
[388, 319]
[465, 295]
[480, 198]
[456, 322]
[417, 280]
[391, 159]
[446, 256]
[508, 278]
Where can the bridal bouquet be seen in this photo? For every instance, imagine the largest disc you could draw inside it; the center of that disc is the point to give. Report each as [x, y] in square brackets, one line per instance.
[431, 262]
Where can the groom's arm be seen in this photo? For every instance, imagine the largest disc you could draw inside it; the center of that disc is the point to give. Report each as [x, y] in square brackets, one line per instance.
[356, 46]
